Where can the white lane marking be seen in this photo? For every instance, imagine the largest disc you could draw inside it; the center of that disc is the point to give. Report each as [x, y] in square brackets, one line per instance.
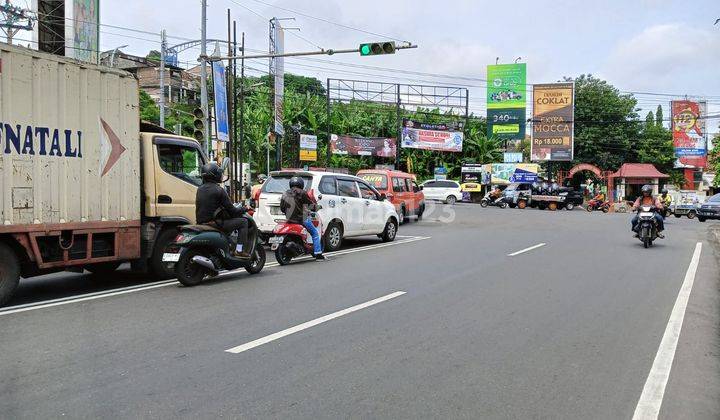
[164, 283]
[310, 324]
[527, 249]
[648, 406]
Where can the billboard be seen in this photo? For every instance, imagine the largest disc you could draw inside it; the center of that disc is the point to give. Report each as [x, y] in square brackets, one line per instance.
[506, 98]
[553, 126]
[83, 41]
[363, 146]
[439, 137]
[308, 147]
[222, 125]
[278, 70]
[507, 173]
[689, 134]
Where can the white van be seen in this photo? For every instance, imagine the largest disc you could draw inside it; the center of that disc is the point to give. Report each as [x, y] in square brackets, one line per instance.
[350, 206]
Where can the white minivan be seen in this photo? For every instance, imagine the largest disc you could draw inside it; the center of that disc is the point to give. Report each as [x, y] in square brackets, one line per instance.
[442, 190]
[350, 206]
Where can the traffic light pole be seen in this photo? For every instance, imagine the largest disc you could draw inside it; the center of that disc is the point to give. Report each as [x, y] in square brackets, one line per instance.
[299, 54]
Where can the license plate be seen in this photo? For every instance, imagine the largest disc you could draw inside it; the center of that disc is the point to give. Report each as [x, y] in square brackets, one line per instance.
[275, 240]
[171, 257]
[646, 214]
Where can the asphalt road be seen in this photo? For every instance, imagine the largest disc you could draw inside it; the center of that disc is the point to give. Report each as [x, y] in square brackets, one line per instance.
[568, 329]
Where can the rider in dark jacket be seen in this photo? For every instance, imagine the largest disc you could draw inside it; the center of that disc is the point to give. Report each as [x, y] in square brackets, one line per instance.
[214, 208]
[297, 204]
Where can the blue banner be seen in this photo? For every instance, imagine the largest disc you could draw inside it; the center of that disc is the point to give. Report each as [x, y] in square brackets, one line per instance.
[221, 108]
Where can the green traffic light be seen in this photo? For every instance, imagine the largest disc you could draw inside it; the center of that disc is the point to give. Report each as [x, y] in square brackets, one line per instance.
[365, 49]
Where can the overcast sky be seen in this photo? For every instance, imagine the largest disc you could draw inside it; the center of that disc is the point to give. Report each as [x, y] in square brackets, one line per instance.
[656, 46]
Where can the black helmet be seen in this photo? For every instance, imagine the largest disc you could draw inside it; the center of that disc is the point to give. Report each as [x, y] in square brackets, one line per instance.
[261, 178]
[211, 172]
[646, 189]
[297, 182]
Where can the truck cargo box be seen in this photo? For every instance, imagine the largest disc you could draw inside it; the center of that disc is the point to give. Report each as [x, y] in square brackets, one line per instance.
[69, 137]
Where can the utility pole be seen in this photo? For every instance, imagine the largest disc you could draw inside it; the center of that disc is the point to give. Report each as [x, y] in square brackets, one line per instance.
[11, 20]
[163, 51]
[203, 76]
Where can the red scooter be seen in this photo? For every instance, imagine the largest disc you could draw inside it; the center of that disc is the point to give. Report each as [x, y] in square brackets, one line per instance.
[291, 240]
[598, 205]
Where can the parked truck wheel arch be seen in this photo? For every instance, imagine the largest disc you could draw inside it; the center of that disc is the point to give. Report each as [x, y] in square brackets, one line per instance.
[9, 272]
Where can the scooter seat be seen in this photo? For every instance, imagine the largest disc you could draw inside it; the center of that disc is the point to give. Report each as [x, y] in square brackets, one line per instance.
[200, 228]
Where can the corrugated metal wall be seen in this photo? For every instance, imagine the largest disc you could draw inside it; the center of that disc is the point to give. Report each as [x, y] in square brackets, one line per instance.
[39, 91]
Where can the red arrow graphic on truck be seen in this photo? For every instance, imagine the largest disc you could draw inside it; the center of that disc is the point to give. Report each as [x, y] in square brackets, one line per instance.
[110, 147]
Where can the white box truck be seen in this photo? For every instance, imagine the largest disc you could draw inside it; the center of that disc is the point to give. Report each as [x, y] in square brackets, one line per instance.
[82, 186]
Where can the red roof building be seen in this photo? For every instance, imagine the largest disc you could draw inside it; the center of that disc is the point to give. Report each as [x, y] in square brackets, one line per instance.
[639, 170]
[632, 176]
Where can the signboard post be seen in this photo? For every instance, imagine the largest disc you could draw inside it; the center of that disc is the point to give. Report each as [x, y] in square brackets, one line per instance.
[222, 127]
[553, 126]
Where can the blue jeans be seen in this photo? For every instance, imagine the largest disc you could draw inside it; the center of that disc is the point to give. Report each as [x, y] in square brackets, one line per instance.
[317, 243]
[658, 219]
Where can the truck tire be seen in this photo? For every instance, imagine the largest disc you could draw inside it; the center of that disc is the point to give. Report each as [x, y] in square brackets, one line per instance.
[569, 206]
[157, 268]
[691, 215]
[552, 206]
[522, 204]
[9, 273]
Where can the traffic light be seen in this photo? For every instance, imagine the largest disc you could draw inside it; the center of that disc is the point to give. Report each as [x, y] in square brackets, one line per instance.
[199, 124]
[377, 48]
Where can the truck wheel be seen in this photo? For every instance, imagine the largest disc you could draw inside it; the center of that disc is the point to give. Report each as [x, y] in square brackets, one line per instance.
[552, 206]
[157, 267]
[100, 269]
[691, 215]
[522, 204]
[569, 206]
[9, 273]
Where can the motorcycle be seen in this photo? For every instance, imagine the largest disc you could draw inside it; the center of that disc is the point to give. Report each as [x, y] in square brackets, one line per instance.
[647, 226]
[203, 251]
[598, 205]
[488, 201]
[292, 240]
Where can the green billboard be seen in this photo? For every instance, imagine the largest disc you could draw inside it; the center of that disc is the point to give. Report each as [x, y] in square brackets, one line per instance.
[506, 86]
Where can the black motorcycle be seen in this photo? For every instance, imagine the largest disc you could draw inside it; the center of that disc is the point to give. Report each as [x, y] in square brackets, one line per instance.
[201, 251]
[647, 228]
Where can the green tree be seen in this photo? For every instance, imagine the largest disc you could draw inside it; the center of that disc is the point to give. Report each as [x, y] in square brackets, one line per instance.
[659, 116]
[149, 110]
[606, 124]
[649, 120]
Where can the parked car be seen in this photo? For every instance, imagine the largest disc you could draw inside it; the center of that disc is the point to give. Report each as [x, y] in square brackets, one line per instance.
[400, 189]
[709, 209]
[350, 206]
[573, 197]
[442, 190]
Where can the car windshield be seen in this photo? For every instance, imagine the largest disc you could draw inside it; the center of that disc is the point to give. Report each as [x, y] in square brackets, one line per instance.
[278, 184]
[379, 181]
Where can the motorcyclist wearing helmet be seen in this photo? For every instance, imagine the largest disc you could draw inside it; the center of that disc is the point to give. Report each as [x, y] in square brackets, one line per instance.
[260, 181]
[214, 208]
[666, 198]
[297, 204]
[647, 199]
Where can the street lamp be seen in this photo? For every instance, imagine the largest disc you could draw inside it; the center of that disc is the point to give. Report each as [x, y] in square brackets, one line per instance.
[114, 53]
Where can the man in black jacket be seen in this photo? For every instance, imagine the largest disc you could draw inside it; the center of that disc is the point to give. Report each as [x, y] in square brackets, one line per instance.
[213, 207]
[297, 204]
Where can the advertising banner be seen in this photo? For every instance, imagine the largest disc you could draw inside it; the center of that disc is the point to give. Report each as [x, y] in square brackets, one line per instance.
[440, 137]
[506, 98]
[85, 36]
[512, 157]
[506, 173]
[553, 126]
[471, 172]
[278, 64]
[363, 146]
[689, 134]
[222, 125]
[506, 86]
[308, 147]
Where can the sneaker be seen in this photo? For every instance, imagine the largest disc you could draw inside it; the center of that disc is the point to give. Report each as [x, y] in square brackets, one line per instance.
[319, 257]
[661, 235]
